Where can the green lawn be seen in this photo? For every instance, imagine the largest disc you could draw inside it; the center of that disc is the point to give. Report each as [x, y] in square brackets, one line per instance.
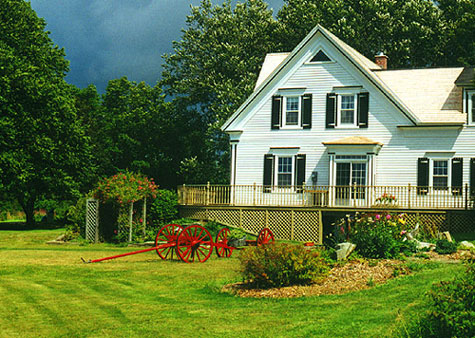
[45, 290]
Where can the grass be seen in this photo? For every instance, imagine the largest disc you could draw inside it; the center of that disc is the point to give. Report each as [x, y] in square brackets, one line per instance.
[45, 290]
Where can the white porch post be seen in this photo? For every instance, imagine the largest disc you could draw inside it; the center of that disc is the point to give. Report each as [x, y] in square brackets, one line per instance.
[331, 180]
[371, 179]
[233, 170]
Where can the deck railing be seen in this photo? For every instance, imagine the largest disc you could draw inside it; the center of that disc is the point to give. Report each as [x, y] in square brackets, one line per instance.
[404, 197]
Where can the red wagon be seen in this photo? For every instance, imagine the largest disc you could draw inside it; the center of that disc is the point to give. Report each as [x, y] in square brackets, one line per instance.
[193, 243]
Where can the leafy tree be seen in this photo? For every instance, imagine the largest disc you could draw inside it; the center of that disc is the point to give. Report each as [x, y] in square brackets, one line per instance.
[43, 148]
[411, 33]
[459, 16]
[212, 71]
[135, 129]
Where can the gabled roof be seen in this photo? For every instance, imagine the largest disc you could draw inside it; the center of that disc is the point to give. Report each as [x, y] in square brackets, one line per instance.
[387, 82]
[430, 93]
[271, 62]
[358, 60]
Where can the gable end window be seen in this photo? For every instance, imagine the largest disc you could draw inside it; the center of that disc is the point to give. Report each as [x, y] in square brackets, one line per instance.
[291, 111]
[347, 110]
[320, 57]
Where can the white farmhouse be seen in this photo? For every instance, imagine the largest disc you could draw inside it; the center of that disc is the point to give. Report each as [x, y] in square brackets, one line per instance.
[325, 126]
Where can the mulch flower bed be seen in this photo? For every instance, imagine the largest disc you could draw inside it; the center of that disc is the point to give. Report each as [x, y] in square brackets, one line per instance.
[352, 276]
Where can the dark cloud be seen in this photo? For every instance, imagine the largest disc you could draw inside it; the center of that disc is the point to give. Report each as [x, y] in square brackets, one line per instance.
[107, 39]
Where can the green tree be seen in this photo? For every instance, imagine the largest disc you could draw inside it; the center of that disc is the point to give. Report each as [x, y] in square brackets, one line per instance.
[411, 33]
[135, 129]
[43, 148]
[212, 71]
[459, 16]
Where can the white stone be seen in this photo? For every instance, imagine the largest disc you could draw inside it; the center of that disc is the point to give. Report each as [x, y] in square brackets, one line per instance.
[446, 235]
[344, 250]
[466, 245]
[424, 245]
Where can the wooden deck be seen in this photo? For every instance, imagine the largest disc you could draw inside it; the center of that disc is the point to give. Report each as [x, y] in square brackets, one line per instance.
[345, 197]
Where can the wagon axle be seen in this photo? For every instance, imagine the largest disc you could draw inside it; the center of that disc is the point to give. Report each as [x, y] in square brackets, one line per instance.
[192, 243]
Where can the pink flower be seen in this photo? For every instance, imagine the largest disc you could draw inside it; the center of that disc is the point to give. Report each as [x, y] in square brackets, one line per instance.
[403, 232]
[378, 217]
[388, 216]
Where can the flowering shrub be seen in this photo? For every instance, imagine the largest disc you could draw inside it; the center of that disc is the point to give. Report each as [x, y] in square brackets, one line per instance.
[386, 199]
[125, 187]
[118, 192]
[378, 235]
[279, 264]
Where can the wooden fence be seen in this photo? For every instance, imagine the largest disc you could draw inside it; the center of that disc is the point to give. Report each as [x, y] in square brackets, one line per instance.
[358, 197]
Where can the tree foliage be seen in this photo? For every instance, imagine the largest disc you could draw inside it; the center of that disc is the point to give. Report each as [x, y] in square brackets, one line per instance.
[409, 32]
[459, 16]
[214, 68]
[43, 147]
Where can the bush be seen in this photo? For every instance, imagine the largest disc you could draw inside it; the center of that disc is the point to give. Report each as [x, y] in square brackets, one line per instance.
[444, 247]
[276, 265]
[451, 311]
[76, 218]
[379, 235]
[164, 207]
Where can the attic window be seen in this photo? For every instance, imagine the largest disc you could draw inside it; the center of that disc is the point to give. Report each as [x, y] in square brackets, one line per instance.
[320, 57]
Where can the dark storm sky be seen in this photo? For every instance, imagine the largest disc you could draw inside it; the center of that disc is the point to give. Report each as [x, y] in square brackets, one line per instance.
[107, 39]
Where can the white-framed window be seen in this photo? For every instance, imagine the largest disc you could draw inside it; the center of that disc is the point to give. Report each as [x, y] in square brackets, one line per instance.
[470, 104]
[439, 177]
[291, 112]
[347, 110]
[284, 171]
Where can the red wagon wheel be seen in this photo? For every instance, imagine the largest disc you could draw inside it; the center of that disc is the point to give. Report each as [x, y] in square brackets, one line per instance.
[265, 236]
[169, 234]
[194, 243]
[221, 244]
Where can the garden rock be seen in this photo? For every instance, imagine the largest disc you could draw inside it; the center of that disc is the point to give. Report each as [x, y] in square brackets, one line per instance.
[467, 245]
[344, 250]
[424, 245]
[447, 236]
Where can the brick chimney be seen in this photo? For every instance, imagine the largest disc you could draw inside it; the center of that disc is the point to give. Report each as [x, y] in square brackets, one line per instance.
[381, 60]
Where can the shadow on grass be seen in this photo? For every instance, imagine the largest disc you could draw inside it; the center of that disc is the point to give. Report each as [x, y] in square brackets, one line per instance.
[20, 226]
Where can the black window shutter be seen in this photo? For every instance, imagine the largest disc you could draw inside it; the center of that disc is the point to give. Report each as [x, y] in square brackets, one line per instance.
[457, 176]
[472, 177]
[363, 106]
[307, 111]
[422, 176]
[268, 172]
[276, 111]
[300, 171]
[331, 110]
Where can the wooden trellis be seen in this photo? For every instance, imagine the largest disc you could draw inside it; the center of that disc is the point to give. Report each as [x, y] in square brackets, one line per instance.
[92, 220]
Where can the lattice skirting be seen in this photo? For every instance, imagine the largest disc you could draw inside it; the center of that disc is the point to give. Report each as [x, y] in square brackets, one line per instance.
[286, 224]
[301, 224]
